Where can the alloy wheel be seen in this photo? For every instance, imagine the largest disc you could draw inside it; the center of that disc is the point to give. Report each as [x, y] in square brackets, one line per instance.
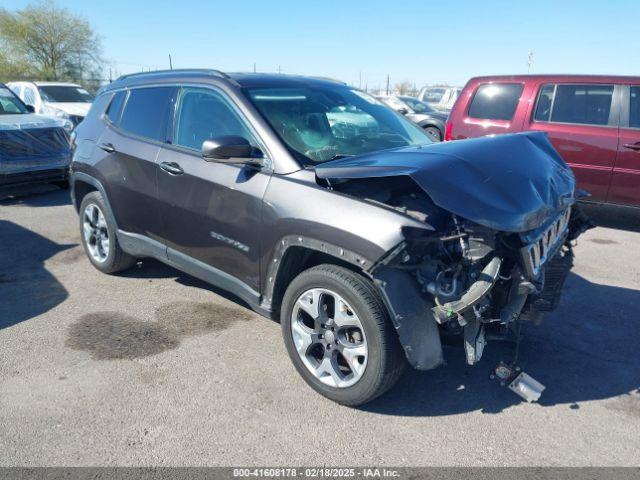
[329, 337]
[96, 235]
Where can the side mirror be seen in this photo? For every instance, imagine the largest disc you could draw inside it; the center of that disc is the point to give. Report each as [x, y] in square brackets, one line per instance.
[30, 108]
[231, 149]
[403, 111]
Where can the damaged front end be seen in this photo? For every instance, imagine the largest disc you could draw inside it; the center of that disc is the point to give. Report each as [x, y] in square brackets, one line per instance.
[474, 278]
[502, 219]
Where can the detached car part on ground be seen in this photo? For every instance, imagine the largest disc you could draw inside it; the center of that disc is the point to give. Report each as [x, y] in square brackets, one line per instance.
[321, 207]
[33, 148]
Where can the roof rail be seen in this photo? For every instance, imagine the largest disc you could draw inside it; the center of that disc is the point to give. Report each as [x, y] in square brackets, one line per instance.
[329, 79]
[210, 71]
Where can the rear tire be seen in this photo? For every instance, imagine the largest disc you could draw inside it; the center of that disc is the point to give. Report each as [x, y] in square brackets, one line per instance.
[349, 352]
[99, 236]
[434, 133]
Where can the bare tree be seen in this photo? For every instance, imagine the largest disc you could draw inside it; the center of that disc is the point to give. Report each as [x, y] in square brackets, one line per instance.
[404, 87]
[53, 41]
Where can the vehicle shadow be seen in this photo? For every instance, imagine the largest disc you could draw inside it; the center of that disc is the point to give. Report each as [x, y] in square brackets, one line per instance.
[586, 350]
[149, 268]
[609, 216]
[27, 289]
[39, 195]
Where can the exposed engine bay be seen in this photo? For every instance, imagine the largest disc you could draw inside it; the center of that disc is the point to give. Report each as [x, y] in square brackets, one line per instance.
[470, 279]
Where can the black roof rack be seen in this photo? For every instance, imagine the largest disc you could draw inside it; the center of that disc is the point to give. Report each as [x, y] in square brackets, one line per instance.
[209, 71]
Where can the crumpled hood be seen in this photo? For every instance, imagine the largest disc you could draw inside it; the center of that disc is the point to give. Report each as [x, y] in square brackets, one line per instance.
[509, 182]
[27, 121]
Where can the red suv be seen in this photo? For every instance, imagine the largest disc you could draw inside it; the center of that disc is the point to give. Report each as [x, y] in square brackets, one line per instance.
[593, 121]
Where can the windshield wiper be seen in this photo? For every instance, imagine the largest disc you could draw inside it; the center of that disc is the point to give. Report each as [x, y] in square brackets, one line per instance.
[338, 156]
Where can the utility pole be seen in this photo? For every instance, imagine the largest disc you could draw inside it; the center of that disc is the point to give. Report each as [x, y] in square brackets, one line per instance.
[529, 61]
[170, 63]
[387, 84]
[254, 67]
[360, 80]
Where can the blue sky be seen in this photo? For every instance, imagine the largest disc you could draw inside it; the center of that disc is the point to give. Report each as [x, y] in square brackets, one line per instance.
[424, 42]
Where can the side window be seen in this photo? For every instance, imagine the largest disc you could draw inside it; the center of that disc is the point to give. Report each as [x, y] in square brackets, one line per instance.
[584, 104]
[146, 112]
[634, 108]
[204, 114]
[115, 107]
[29, 96]
[589, 104]
[495, 101]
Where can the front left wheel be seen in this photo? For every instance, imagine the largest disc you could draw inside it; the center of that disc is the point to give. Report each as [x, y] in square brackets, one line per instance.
[338, 335]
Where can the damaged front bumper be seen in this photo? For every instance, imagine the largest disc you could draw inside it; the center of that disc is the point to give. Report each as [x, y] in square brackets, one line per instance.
[499, 279]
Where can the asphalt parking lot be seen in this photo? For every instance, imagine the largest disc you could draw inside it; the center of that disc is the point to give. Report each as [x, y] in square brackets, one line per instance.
[153, 367]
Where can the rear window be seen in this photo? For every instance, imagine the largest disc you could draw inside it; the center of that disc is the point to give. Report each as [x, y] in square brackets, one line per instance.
[495, 101]
[146, 111]
[634, 108]
[115, 107]
[583, 104]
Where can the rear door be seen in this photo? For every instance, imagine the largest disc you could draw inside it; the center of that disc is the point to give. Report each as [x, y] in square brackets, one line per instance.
[625, 181]
[211, 212]
[131, 142]
[582, 123]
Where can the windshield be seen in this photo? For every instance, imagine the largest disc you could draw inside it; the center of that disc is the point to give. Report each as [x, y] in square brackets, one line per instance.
[9, 103]
[328, 122]
[416, 105]
[64, 94]
[433, 95]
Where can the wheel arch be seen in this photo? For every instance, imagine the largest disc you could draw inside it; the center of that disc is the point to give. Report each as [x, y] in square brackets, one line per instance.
[296, 254]
[82, 184]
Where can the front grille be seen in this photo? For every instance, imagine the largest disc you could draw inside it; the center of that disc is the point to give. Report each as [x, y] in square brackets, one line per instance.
[33, 142]
[544, 247]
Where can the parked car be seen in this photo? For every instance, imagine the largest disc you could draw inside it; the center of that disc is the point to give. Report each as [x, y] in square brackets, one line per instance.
[593, 122]
[366, 243]
[33, 148]
[432, 121]
[65, 100]
[440, 98]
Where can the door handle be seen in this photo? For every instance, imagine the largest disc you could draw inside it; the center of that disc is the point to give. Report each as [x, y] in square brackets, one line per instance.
[172, 168]
[107, 147]
[632, 146]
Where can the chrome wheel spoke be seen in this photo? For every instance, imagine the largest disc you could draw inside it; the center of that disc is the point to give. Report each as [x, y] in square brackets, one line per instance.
[328, 372]
[302, 337]
[309, 302]
[355, 356]
[344, 316]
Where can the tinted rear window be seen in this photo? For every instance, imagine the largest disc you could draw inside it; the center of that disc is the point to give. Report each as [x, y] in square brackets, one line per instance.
[584, 104]
[634, 112]
[115, 107]
[146, 111]
[495, 101]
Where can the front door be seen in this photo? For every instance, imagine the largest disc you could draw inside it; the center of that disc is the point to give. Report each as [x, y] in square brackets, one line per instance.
[625, 182]
[211, 212]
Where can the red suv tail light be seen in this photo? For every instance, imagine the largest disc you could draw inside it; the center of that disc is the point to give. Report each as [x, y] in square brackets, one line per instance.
[447, 131]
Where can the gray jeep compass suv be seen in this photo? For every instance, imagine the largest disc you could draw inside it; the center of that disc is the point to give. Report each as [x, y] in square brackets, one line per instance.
[321, 207]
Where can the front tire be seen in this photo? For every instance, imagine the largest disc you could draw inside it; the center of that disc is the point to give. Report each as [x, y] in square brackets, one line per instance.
[338, 335]
[98, 235]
